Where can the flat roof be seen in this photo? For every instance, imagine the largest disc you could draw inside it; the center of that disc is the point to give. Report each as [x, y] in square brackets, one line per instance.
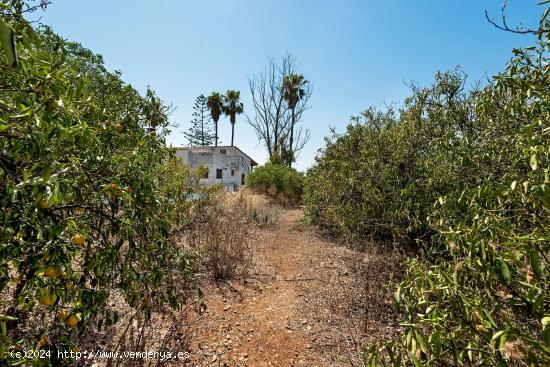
[199, 147]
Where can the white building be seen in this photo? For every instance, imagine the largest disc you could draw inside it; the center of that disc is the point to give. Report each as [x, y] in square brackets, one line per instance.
[227, 165]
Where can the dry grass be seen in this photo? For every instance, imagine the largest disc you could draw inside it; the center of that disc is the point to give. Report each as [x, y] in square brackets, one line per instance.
[354, 304]
[260, 209]
[222, 238]
[226, 247]
[165, 332]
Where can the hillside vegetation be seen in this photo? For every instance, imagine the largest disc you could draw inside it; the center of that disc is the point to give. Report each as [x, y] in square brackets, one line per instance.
[463, 176]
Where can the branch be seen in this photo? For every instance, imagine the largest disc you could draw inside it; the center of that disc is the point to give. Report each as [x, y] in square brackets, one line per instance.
[518, 30]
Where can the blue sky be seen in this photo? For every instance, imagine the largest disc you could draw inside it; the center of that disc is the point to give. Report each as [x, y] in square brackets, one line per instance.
[356, 53]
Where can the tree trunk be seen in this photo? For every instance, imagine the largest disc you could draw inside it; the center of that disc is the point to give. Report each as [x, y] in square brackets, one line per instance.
[202, 132]
[291, 156]
[232, 119]
[216, 142]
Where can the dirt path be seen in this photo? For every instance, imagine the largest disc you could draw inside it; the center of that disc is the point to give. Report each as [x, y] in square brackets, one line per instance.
[304, 303]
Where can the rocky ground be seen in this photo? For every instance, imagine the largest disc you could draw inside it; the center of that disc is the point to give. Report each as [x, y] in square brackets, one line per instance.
[305, 302]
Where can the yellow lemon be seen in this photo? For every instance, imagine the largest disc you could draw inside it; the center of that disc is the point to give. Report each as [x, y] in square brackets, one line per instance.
[70, 285]
[47, 298]
[62, 315]
[51, 272]
[72, 320]
[43, 342]
[78, 239]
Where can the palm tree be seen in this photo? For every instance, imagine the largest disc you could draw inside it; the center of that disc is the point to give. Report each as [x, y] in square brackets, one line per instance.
[232, 106]
[293, 91]
[215, 103]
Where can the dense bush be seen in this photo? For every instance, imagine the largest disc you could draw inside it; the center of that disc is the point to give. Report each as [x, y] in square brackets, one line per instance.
[89, 199]
[379, 179]
[467, 175]
[280, 182]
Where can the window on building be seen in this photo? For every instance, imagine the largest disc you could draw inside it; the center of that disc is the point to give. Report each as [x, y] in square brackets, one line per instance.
[232, 172]
[219, 173]
[206, 172]
[223, 151]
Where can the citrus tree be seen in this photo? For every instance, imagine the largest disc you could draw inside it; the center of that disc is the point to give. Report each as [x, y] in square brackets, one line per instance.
[86, 209]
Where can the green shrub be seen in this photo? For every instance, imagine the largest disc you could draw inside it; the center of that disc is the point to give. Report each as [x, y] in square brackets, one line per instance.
[484, 299]
[280, 182]
[379, 179]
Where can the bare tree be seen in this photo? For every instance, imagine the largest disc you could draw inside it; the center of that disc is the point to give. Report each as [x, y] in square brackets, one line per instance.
[272, 119]
[543, 28]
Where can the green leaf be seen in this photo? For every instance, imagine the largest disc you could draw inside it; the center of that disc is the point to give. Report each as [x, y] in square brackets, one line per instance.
[7, 38]
[545, 335]
[482, 250]
[46, 173]
[421, 342]
[503, 271]
[534, 258]
[534, 162]
[499, 335]
[397, 295]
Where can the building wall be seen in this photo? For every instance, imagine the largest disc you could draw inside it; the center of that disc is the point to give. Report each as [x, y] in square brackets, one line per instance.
[233, 164]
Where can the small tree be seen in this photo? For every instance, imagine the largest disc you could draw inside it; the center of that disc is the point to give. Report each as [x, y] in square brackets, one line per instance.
[202, 130]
